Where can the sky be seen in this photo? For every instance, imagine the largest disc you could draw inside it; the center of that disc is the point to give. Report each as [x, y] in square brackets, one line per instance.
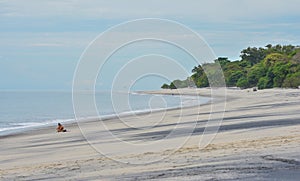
[41, 41]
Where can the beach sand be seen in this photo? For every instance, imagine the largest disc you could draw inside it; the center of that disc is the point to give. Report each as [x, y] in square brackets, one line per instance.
[259, 139]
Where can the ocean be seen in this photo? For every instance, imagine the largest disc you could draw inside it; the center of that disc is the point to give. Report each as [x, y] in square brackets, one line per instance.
[23, 110]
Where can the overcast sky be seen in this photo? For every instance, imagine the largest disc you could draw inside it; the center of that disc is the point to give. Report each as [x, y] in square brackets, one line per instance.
[41, 40]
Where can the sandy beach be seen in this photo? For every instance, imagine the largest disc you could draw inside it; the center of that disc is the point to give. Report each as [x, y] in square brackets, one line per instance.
[259, 139]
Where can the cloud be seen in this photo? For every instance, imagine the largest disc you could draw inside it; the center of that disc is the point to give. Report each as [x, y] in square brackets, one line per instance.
[212, 10]
[46, 44]
[49, 39]
[65, 28]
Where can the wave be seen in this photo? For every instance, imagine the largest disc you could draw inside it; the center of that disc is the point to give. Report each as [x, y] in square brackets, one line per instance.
[23, 126]
[186, 101]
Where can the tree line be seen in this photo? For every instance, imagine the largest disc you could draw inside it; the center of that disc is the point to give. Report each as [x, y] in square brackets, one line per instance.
[263, 67]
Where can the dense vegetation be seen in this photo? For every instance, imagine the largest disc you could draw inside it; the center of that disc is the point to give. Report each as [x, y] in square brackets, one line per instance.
[268, 67]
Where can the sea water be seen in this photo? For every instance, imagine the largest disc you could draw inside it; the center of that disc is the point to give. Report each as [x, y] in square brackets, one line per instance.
[21, 110]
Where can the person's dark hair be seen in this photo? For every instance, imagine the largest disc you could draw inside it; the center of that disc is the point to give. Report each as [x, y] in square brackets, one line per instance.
[58, 124]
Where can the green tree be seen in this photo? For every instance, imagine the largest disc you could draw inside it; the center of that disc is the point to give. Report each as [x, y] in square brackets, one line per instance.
[253, 55]
[222, 61]
[165, 86]
[280, 71]
[214, 74]
[292, 80]
[296, 57]
[179, 83]
[172, 86]
[199, 77]
[255, 73]
[202, 82]
[234, 77]
[230, 74]
[263, 83]
[271, 66]
[197, 72]
[274, 58]
[242, 83]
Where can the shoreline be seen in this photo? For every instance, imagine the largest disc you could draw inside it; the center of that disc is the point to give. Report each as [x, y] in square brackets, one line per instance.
[258, 140]
[71, 121]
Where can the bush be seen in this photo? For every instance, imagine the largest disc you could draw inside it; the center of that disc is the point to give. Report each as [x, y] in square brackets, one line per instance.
[255, 73]
[242, 83]
[234, 77]
[165, 86]
[263, 83]
[292, 80]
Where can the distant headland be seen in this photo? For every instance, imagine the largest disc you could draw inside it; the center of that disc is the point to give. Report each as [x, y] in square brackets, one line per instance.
[264, 67]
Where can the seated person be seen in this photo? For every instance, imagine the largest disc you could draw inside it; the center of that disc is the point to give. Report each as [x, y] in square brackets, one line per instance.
[60, 128]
